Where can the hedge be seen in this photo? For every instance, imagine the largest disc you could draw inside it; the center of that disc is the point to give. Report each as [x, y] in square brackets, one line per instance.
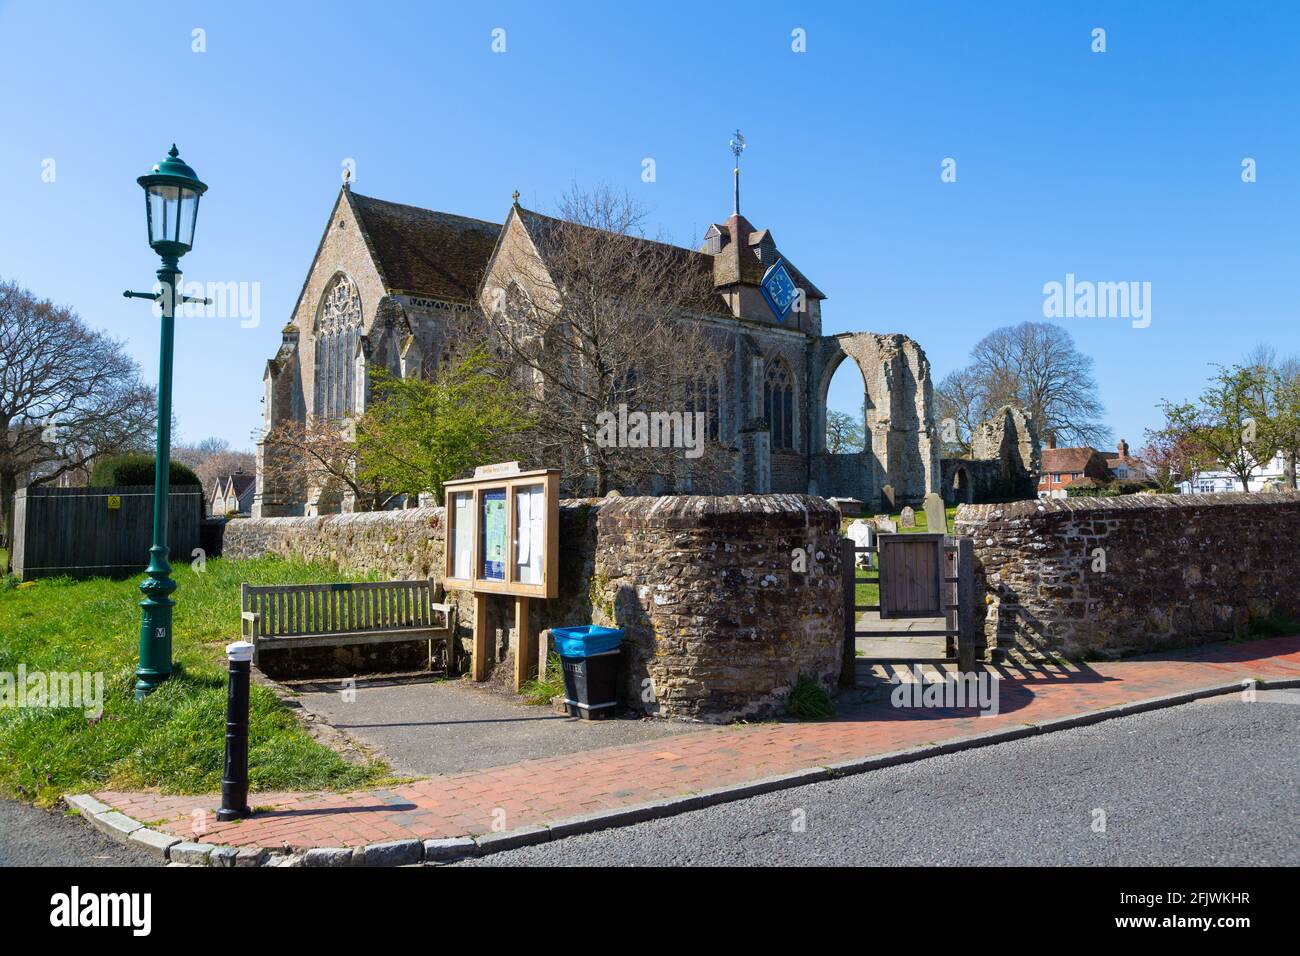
[137, 469]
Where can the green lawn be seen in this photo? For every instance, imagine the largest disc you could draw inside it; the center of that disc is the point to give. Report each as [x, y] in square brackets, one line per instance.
[173, 740]
[869, 592]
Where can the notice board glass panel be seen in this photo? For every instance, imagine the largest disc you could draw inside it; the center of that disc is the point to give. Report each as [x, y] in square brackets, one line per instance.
[530, 540]
[493, 544]
[462, 527]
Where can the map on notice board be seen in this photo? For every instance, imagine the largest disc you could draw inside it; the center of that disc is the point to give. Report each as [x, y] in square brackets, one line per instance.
[494, 535]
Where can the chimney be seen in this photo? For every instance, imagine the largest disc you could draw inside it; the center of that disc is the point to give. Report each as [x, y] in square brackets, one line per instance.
[1051, 440]
[1123, 448]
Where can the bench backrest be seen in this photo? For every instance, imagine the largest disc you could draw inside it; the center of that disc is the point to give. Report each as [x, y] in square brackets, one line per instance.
[299, 609]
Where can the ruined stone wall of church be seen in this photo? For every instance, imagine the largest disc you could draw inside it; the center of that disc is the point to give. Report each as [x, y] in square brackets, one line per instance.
[900, 418]
[1010, 438]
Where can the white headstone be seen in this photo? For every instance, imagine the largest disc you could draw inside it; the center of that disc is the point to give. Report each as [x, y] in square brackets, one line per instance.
[908, 517]
[862, 535]
[886, 526]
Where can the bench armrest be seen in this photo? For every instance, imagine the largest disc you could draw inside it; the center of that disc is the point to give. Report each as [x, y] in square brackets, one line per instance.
[248, 623]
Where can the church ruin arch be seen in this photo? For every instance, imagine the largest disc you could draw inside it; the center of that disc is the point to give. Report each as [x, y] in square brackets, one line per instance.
[901, 447]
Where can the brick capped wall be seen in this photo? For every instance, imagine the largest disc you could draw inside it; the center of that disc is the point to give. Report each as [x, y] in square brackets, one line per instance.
[1179, 570]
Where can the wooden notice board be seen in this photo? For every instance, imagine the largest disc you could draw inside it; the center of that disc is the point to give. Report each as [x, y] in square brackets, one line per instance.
[502, 537]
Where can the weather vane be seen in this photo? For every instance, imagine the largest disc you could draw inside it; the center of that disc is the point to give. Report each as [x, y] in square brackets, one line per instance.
[737, 147]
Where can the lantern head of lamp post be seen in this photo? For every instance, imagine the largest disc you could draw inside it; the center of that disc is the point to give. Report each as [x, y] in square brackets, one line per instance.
[171, 194]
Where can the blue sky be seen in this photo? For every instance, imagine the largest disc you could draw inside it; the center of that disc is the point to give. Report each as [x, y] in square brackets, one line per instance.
[1115, 166]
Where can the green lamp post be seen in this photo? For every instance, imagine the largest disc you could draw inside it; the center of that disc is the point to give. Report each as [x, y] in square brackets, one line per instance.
[171, 193]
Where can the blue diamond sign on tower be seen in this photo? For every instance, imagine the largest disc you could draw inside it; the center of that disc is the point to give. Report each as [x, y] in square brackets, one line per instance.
[779, 289]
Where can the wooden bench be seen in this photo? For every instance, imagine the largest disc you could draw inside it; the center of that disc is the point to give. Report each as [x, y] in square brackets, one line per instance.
[332, 615]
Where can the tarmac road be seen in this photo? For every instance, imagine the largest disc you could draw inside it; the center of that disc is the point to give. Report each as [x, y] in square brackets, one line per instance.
[32, 837]
[1209, 783]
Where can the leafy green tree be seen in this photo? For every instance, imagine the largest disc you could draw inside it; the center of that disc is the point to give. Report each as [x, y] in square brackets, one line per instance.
[1227, 424]
[418, 433]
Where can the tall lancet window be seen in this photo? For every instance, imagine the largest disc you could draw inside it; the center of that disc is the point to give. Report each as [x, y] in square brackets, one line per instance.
[778, 404]
[704, 394]
[338, 330]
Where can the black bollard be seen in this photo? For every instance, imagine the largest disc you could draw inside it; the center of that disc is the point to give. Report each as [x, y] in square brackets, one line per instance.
[234, 778]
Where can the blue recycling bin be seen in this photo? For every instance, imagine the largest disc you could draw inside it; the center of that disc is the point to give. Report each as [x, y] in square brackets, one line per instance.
[589, 658]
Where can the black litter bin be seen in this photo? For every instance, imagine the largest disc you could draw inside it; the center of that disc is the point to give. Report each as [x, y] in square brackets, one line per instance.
[589, 657]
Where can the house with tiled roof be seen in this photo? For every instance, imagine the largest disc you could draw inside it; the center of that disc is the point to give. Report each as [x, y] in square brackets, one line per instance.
[1124, 466]
[232, 494]
[1061, 467]
[394, 286]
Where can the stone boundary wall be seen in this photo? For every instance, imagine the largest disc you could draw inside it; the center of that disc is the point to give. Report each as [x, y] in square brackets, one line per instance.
[717, 620]
[1179, 570]
[718, 624]
[392, 544]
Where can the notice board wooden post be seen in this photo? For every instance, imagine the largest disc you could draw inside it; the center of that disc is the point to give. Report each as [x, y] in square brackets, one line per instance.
[523, 642]
[502, 537]
[480, 671]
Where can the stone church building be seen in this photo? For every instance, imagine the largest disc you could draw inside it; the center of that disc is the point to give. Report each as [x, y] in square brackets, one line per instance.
[393, 286]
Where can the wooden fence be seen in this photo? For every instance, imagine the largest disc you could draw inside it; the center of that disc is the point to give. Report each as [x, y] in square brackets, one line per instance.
[91, 532]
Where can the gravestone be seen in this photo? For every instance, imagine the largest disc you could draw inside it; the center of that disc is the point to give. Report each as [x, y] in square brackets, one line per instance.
[887, 498]
[862, 535]
[886, 526]
[908, 517]
[936, 519]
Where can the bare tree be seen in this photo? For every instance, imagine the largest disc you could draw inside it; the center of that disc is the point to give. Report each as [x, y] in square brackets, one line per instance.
[212, 459]
[588, 315]
[323, 454]
[844, 433]
[963, 407]
[67, 395]
[1035, 365]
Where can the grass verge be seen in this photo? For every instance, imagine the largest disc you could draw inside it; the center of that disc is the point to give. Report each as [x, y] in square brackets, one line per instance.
[173, 740]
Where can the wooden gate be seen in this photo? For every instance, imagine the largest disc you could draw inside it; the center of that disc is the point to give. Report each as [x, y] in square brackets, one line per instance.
[911, 575]
[919, 576]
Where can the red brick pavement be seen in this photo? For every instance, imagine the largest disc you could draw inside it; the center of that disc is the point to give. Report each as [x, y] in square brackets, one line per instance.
[556, 788]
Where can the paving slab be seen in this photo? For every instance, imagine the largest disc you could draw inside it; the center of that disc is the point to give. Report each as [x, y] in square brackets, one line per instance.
[435, 727]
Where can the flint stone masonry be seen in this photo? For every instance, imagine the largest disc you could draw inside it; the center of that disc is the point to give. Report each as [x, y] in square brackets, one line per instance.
[715, 617]
[1180, 570]
[392, 544]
